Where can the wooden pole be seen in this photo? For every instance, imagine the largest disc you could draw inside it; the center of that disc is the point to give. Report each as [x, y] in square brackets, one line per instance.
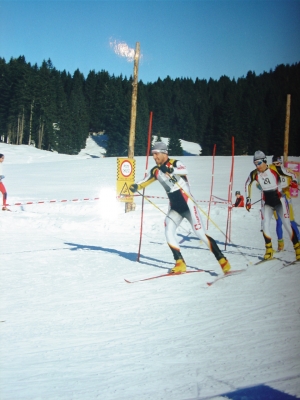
[287, 129]
[134, 101]
[131, 206]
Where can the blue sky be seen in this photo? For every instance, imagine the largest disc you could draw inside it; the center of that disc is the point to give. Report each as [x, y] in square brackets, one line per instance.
[193, 39]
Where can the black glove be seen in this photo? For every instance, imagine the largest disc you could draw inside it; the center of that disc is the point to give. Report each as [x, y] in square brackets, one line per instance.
[165, 169]
[133, 188]
[248, 203]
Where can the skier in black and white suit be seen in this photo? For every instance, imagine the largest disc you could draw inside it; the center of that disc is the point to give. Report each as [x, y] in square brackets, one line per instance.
[269, 181]
[172, 175]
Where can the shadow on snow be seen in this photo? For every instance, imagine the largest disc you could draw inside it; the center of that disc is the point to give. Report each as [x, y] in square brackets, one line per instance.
[129, 256]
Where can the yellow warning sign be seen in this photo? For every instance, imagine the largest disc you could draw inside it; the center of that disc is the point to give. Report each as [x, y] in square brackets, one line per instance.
[125, 178]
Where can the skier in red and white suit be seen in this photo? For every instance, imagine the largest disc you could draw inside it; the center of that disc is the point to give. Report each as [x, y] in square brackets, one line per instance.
[269, 181]
[172, 175]
[2, 187]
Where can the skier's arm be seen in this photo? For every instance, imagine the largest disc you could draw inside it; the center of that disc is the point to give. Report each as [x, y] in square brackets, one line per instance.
[248, 185]
[237, 202]
[150, 178]
[287, 172]
[292, 177]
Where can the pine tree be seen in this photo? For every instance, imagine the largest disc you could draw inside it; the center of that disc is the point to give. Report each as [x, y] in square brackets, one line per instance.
[57, 110]
[174, 147]
[4, 98]
[119, 123]
[142, 122]
[61, 140]
[20, 87]
[44, 105]
[78, 113]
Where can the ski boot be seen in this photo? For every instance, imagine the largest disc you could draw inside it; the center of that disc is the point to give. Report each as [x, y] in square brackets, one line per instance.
[280, 244]
[297, 250]
[224, 263]
[269, 251]
[180, 267]
[4, 208]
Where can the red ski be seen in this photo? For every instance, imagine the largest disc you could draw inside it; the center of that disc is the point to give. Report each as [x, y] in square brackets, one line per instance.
[163, 275]
[230, 273]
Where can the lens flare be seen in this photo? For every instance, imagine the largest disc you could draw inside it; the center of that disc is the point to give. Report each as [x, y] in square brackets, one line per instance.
[109, 207]
[122, 49]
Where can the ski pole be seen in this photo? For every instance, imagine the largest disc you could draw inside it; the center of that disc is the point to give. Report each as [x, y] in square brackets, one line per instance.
[151, 202]
[255, 202]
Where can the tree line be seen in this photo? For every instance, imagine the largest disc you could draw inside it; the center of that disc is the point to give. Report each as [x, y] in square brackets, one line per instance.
[57, 111]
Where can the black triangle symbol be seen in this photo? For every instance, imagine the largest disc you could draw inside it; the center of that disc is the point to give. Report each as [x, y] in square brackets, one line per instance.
[125, 190]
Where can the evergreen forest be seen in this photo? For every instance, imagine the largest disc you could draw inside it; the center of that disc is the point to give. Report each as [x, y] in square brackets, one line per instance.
[57, 111]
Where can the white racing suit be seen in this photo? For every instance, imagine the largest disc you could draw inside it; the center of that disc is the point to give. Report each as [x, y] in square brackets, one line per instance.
[181, 206]
[272, 200]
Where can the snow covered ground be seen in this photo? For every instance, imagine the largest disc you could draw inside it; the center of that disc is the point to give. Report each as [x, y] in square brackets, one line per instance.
[72, 328]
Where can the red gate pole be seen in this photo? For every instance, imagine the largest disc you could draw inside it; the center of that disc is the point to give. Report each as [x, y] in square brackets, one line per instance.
[146, 172]
[212, 185]
[228, 228]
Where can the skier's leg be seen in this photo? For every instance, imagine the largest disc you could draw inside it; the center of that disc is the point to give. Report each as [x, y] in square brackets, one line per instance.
[268, 212]
[194, 218]
[172, 221]
[284, 214]
[295, 228]
[4, 194]
[292, 218]
[279, 231]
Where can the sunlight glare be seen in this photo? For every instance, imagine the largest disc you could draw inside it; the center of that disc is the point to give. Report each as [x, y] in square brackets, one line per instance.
[109, 206]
